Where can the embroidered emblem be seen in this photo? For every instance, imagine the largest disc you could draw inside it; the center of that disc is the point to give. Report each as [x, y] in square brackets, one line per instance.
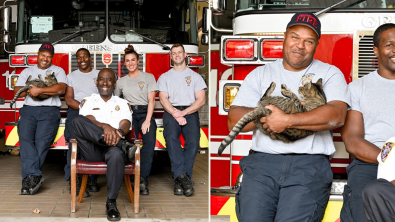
[117, 108]
[141, 85]
[130, 107]
[188, 80]
[307, 78]
[82, 103]
[385, 151]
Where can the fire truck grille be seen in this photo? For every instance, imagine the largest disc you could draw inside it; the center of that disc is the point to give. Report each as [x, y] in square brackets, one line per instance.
[116, 64]
[367, 61]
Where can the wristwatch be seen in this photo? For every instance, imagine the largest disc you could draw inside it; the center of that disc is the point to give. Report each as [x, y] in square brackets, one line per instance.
[121, 131]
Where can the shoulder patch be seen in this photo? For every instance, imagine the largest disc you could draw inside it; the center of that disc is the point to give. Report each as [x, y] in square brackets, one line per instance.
[385, 151]
[82, 103]
[130, 107]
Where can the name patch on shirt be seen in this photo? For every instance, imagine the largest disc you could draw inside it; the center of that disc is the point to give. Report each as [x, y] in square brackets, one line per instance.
[385, 151]
[96, 108]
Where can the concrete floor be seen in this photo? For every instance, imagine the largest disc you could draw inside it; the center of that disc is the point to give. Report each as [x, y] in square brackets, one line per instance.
[53, 198]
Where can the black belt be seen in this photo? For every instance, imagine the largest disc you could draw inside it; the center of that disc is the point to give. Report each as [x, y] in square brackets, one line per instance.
[251, 152]
[138, 107]
[181, 107]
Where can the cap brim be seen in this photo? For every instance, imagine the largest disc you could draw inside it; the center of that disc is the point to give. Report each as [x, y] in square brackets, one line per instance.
[307, 25]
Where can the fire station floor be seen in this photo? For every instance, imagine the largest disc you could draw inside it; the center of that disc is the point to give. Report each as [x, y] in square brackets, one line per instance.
[53, 198]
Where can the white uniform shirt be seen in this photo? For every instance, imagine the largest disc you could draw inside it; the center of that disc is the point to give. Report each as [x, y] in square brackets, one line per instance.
[110, 112]
[386, 159]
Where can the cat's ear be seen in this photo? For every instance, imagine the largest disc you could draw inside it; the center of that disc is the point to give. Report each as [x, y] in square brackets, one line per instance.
[319, 82]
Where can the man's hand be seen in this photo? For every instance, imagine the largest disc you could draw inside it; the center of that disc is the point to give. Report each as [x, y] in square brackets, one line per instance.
[177, 113]
[145, 126]
[111, 135]
[276, 122]
[181, 121]
[34, 91]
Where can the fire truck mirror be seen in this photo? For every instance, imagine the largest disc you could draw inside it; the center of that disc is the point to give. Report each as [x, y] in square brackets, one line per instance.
[204, 39]
[205, 21]
[219, 7]
[5, 23]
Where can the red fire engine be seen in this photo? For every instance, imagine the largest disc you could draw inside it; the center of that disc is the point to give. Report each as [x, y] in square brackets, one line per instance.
[105, 28]
[256, 39]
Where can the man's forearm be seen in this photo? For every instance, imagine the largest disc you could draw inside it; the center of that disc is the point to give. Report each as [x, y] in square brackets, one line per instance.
[235, 114]
[72, 103]
[195, 106]
[17, 88]
[54, 90]
[124, 125]
[167, 105]
[362, 149]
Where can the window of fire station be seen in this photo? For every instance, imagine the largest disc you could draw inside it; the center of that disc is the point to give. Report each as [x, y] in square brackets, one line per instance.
[63, 21]
[243, 5]
[146, 20]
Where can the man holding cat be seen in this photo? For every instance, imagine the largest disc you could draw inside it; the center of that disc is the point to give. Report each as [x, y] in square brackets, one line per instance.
[39, 120]
[369, 123]
[81, 84]
[290, 181]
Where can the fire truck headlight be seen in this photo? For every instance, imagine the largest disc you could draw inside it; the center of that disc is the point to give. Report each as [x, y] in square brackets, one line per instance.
[230, 92]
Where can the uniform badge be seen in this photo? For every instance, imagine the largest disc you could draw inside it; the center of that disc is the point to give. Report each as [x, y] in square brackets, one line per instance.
[385, 151]
[141, 85]
[117, 108]
[307, 78]
[130, 107]
[188, 80]
[82, 103]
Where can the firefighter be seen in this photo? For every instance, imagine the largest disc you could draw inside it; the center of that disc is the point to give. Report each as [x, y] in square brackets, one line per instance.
[369, 123]
[139, 88]
[39, 120]
[81, 84]
[182, 94]
[290, 181]
[102, 122]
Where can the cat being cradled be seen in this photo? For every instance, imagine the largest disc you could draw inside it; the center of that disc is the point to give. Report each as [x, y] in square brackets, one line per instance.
[313, 96]
[50, 79]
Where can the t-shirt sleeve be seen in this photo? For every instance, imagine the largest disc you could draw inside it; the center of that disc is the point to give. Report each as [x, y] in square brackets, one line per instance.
[22, 78]
[355, 90]
[199, 83]
[162, 84]
[250, 91]
[118, 88]
[152, 86]
[86, 106]
[61, 75]
[126, 113]
[335, 87]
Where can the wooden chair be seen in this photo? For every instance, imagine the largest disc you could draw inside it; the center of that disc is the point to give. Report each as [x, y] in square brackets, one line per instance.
[86, 167]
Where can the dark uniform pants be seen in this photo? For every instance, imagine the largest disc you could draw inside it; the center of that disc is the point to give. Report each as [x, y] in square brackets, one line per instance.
[88, 136]
[37, 129]
[288, 187]
[379, 201]
[68, 134]
[149, 139]
[182, 160]
[359, 175]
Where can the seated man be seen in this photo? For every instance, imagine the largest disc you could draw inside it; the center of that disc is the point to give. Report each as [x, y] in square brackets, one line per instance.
[104, 119]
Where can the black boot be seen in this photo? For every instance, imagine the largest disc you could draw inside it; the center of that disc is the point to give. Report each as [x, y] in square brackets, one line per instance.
[112, 211]
[92, 183]
[35, 183]
[186, 184]
[177, 188]
[143, 186]
[129, 149]
[79, 182]
[25, 186]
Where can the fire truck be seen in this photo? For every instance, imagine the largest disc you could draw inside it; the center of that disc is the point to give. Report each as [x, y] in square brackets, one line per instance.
[254, 37]
[105, 28]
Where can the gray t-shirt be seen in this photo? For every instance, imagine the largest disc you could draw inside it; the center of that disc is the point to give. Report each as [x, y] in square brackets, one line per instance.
[373, 96]
[34, 71]
[83, 83]
[135, 90]
[257, 82]
[181, 86]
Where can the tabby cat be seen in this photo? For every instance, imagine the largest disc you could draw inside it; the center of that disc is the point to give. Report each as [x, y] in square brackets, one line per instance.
[313, 96]
[50, 80]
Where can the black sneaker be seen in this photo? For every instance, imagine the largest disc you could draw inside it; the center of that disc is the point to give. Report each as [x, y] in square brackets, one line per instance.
[25, 186]
[112, 212]
[92, 183]
[143, 187]
[129, 149]
[178, 188]
[35, 183]
[186, 184]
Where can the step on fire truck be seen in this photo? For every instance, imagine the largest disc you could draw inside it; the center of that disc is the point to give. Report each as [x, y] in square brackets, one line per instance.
[105, 28]
[256, 39]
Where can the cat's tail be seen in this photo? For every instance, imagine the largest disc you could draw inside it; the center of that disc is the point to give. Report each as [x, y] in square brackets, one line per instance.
[249, 117]
[24, 89]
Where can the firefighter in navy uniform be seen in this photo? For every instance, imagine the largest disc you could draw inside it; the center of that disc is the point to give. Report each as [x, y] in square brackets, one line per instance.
[39, 120]
[104, 119]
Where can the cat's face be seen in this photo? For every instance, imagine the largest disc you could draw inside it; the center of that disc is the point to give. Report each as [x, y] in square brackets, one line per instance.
[312, 91]
[50, 77]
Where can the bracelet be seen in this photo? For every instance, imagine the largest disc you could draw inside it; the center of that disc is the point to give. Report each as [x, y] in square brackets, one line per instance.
[121, 131]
